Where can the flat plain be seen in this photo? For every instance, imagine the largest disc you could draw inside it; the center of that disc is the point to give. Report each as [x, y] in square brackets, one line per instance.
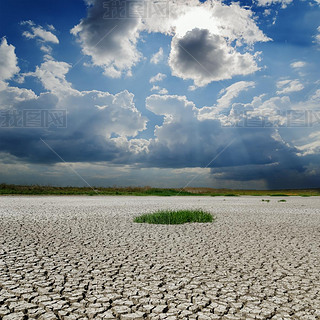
[81, 257]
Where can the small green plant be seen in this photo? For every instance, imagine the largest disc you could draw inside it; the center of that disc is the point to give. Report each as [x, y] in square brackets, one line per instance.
[265, 200]
[175, 217]
[282, 200]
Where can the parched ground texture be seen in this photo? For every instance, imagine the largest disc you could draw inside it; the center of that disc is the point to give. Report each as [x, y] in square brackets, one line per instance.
[84, 258]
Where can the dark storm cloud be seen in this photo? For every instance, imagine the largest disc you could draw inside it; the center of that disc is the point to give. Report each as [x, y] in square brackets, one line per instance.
[91, 119]
[109, 33]
[276, 176]
[182, 141]
[205, 57]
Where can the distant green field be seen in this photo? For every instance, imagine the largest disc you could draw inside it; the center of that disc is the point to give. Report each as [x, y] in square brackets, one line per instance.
[6, 189]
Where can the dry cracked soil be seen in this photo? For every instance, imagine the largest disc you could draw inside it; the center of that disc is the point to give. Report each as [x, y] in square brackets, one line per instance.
[78, 258]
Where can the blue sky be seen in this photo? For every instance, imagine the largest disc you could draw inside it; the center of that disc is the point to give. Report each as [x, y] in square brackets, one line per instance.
[212, 93]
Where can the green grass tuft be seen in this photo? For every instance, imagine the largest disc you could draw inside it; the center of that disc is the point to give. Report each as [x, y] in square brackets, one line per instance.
[282, 200]
[175, 217]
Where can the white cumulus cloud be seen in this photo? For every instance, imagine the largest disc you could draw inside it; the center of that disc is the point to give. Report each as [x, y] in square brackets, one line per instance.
[158, 77]
[8, 60]
[157, 57]
[283, 3]
[52, 75]
[39, 33]
[159, 89]
[317, 36]
[232, 92]
[298, 64]
[289, 86]
[225, 101]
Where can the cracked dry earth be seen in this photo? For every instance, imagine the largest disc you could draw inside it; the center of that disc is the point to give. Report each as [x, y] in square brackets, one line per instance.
[84, 258]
